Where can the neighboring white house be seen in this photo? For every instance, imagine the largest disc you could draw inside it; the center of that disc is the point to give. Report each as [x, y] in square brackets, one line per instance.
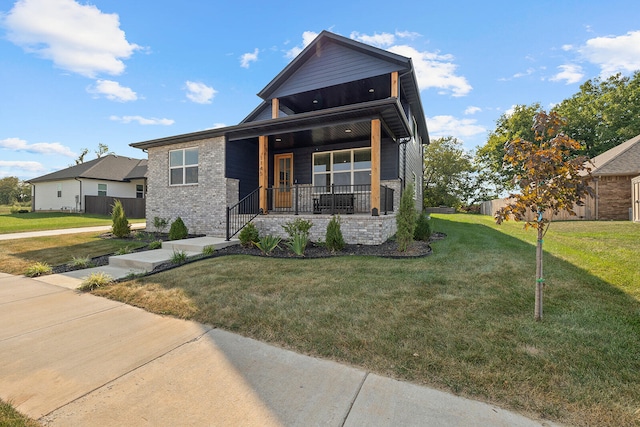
[110, 175]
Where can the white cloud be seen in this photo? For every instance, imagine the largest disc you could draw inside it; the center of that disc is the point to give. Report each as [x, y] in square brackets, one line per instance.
[434, 70]
[247, 58]
[472, 110]
[77, 38]
[142, 120]
[17, 144]
[113, 91]
[383, 39]
[20, 168]
[199, 92]
[440, 126]
[218, 125]
[614, 54]
[307, 38]
[570, 73]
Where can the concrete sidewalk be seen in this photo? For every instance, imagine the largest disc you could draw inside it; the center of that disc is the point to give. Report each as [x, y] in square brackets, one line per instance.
[75, 359]
[29, 234]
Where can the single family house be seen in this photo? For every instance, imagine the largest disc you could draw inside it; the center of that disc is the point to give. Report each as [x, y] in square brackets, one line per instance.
[613, 175]
[340, 130]
[91, 186]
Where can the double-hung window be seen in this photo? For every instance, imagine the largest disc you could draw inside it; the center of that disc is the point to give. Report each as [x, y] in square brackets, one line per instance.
[102, 189]
[183, 166]
[340, 168]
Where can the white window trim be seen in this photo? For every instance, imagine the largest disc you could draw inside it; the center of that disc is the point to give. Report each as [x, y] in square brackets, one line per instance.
[352, 152]
[184, 167]
[105, 190]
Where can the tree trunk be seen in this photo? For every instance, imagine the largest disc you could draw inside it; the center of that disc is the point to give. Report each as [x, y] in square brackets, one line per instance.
[539, 275]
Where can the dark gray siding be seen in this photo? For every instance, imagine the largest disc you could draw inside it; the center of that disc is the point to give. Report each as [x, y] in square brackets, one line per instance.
[242, 163]
[332, 65]
[414, 163]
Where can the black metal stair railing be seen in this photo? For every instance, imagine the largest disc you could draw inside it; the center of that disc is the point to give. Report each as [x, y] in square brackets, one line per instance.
[242, 213]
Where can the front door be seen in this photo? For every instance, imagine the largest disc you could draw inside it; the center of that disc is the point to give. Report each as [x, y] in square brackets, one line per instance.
[282, 180]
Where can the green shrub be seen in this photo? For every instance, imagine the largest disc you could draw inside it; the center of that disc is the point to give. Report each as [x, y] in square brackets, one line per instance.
[178, 230]
[406, 219]
[208, 250]
[80, 262]
[15, 208]
[298, 243]
[124, 250]
[121, 227]
[95, 280]
[296, 227]
[249, 235]
[156, 244]
[423, 228]
[38, 269]
[268, 244]
[334, 241]
[179, 257]
[160, 224]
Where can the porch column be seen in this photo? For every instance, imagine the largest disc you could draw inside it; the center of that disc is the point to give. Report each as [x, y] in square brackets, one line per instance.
[394, 84]
[275, 108]
[375, 167]
[263, 170]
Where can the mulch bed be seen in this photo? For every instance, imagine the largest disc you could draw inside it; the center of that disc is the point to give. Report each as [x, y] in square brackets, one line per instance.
[389, 249]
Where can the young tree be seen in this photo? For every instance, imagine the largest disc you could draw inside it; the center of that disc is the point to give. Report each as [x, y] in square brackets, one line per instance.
[551, 179]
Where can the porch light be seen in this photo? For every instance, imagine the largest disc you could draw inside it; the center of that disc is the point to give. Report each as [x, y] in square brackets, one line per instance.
[347, 131]
[372, 90]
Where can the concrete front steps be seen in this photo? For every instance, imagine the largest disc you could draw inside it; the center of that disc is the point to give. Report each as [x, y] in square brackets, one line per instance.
[121, 266]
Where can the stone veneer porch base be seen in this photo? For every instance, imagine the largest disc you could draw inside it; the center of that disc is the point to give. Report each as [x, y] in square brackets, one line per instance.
[360, 229]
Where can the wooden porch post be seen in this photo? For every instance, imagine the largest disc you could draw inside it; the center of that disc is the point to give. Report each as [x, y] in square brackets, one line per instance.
[263, 170]
[375, 167]
[275, 108]
[394, 84]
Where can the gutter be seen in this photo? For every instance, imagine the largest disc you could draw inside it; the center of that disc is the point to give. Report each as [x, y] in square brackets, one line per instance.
[79, 209]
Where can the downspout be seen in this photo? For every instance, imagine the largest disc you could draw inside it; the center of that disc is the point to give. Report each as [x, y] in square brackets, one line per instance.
[79, 209]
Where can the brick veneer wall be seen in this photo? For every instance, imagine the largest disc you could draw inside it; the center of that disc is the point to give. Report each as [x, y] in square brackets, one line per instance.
[356, 229]
[201, 206]
[614, 197]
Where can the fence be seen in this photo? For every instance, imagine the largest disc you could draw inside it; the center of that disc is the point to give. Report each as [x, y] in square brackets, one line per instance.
[491, 206]
[103, 205]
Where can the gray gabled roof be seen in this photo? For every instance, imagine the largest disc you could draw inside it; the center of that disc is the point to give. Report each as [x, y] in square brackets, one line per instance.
[107, 168]
[623, 159]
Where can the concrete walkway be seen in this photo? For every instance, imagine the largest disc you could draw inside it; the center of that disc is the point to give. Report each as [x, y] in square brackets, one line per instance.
[73, 359]
[29, 234]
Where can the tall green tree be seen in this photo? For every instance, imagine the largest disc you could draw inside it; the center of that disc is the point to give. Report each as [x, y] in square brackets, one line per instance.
[550, 177]
[604, 113]
[446, 170]
[510, 126]
[9, 190]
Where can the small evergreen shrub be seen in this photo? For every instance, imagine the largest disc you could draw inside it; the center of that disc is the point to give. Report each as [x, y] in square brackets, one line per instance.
[406, 219]
[178, 230]
[423, 228]
[249, 235]
[268, 244]
[299, 226]
[95, 280]
[121, 227]
[38, 269]
[334, 241]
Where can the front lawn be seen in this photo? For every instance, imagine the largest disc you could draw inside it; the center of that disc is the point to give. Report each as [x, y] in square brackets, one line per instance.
[459, 320]
[37, 221]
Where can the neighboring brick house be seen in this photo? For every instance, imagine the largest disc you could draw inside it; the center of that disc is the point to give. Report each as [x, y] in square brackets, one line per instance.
[108, 176]
[613, 172]
[340, 130]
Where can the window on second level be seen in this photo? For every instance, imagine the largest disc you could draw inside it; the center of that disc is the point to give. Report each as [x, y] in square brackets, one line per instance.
[183, 166]
[139, 191]
[59, 190]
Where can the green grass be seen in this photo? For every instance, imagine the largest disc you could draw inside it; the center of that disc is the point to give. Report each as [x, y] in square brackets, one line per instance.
[36, 221]
[9, 417]
[17, 255]
[459, 320]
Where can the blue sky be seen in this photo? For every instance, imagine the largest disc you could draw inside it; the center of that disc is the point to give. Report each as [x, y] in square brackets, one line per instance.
[75, 74]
